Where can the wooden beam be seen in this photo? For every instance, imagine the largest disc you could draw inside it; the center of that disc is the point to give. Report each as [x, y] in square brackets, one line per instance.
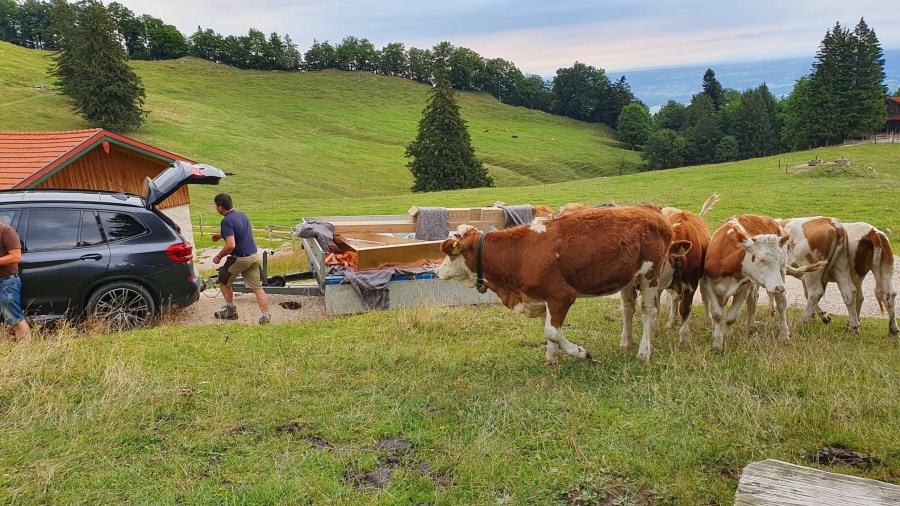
[772, 482]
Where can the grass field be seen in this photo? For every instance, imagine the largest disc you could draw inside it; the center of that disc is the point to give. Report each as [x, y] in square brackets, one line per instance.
[295, 413]
[441, 406]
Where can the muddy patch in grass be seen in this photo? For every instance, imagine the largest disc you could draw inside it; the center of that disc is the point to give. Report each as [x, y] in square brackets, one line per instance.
[609, 491]
[839, 456]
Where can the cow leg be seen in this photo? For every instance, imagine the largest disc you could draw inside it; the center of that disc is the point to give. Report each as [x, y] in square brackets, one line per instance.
[737, 302]
[771, 305]
[627, 298]
[813, 289]
[888, 297]
[687, 301]
[552, 355]
[840, 274]
[553, 330]
[676, 296]
[717, 315]
[706, 316]
[649, 311]
[752, 302]
[781, 303]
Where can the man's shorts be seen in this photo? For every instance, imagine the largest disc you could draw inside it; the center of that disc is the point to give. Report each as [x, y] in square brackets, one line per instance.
[248, 267]
[10, 300]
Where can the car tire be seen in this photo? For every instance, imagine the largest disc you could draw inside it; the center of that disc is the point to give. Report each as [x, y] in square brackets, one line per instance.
[122, 305]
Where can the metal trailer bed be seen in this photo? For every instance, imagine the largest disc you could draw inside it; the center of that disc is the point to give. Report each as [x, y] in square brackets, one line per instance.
[377, 239]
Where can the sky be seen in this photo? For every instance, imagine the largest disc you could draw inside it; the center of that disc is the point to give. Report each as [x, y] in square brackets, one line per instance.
[541, 36]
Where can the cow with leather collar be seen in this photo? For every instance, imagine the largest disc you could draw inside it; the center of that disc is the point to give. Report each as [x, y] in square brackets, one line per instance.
[540, 269]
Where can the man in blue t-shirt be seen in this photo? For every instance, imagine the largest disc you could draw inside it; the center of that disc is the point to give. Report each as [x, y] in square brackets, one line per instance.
[242, 258]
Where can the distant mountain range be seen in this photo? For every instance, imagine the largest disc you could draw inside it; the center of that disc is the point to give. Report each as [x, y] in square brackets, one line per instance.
[658, 86]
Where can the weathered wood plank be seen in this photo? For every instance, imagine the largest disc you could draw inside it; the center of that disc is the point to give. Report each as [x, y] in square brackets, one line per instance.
[773, 482]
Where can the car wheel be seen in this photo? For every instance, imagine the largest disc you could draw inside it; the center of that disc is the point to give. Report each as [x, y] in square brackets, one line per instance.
[122, 305]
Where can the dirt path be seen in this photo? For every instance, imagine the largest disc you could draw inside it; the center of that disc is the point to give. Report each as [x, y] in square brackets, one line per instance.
[313, 308]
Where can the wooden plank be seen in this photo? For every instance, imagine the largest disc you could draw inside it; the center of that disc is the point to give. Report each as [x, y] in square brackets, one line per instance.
[349, 228]
[381, 239]
[772, 482]
[372, 258]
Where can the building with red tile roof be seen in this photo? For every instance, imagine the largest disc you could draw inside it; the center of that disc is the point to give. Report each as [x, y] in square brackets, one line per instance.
[92, 159]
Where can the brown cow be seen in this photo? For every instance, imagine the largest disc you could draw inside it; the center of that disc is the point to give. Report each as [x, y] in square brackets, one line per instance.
[682, 274]
[743, 254]
[540, 269]
[817, 239]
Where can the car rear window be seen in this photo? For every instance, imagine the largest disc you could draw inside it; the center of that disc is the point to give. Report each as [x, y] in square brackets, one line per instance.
[121, 226]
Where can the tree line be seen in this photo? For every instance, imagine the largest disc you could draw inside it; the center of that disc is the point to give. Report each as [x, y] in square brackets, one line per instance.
[581, 92]
[843, 97]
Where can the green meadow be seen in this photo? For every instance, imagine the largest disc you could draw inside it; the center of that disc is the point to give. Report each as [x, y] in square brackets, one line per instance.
[433, 405]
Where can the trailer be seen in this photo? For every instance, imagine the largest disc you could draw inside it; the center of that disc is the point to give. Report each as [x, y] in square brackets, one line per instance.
[382, 242]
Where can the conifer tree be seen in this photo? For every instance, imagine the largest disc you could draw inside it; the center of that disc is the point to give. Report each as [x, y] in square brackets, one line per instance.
[442, 154]
[93, 71]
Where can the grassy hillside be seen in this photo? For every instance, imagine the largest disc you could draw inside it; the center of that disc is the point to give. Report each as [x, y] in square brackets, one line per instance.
[332, 143]
[319, 134]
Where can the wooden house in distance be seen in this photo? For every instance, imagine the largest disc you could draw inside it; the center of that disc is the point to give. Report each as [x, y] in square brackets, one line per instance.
[893, 115]
[92, 159]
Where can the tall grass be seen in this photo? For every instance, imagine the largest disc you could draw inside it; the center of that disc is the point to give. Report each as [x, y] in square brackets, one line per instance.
[288, 413]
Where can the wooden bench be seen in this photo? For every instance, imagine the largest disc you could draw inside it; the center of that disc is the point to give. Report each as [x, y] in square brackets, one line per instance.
[772, 482]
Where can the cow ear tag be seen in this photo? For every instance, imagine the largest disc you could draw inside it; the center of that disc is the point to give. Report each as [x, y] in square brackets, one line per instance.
[455, 248]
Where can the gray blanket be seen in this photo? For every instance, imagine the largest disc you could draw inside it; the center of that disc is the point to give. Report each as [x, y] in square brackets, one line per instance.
[371, 286]
[518, 215]
[321, 231]
[432, 223]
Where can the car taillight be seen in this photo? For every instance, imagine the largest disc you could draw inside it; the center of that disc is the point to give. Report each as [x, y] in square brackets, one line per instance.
[181, 252]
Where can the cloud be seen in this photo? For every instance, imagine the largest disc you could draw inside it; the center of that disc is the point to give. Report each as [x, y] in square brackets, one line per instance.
[541, 37]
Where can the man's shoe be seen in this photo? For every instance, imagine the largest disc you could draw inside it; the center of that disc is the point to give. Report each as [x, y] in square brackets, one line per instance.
[265, 318]
[227, 313]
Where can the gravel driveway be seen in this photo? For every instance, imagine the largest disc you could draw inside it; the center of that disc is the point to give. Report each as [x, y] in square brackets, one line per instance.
[313, 308]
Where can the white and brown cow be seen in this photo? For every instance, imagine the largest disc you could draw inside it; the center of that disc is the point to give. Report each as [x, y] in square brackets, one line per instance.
[540, 269]
[682, 274]
[815, 240]
[869, 250]
[744, 254]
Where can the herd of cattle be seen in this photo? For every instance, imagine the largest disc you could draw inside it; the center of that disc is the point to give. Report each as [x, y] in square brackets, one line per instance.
[540, 269]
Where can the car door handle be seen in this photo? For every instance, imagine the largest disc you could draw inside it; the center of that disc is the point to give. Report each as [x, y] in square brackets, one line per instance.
[92, 256]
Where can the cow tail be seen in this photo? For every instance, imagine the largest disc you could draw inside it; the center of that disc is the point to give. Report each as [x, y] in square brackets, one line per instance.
[709, 203]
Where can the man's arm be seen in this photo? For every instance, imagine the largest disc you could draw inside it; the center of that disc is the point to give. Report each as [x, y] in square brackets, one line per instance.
[228, 248]
[14, 256]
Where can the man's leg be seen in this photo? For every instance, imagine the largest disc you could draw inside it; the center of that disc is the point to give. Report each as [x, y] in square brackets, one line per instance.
[226, 277]
[253, 280]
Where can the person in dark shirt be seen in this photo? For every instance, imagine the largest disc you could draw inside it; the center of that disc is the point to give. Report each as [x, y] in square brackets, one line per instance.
[242, 258]
[10, 284]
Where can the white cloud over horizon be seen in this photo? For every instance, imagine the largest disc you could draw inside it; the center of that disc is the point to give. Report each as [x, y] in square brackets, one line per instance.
[540, 37]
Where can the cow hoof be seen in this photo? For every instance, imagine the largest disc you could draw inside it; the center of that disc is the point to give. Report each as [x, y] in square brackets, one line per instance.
[854, 330]
[826, 318]
[548, 361]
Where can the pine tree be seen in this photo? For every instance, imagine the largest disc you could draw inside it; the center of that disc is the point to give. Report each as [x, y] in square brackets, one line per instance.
[442, 154]
[93, 71]
[868, 92]
[712, 88]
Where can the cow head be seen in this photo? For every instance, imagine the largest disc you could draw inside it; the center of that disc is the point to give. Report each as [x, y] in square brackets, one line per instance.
[454, 265]
[764, 261]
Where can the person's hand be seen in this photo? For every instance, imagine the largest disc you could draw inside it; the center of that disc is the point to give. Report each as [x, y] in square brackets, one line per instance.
[216, 259]
[216, 237]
